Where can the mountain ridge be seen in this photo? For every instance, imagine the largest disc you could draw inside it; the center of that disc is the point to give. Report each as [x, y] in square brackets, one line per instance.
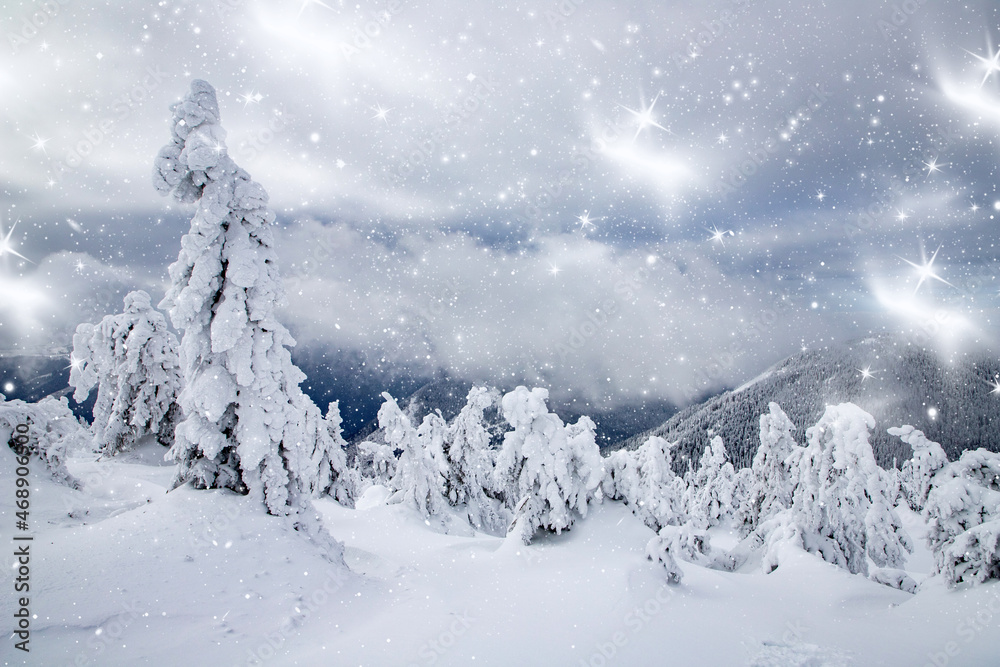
[905, 384]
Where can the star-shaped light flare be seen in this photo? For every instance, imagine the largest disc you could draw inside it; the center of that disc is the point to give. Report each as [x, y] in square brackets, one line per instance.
[991, 63]
[39, 144]
[586, 221]
[380, 113]
[5, 245]
[932, 166]
[644, 118]
[926, 269]
[719, 234]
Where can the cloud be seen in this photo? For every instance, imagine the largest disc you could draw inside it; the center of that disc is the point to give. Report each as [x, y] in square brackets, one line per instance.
[569, 312]
[41, 308]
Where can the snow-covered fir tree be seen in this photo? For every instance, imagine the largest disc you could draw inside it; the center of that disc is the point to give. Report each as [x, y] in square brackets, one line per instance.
[334, 477]
[770, 484]
[469, 481]
[620, 478]
[963, 512]
[917, 471]
[644, 479]
[132, 358]
[419, 480]
[839, 507]
[709, 495]
[248, 426]
[545, 472]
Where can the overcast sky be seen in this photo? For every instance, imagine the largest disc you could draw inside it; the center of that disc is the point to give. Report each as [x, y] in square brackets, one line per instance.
[653, 200]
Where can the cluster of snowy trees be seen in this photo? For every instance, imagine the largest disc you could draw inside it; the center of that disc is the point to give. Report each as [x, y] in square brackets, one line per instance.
[827, 497]
[543, 476]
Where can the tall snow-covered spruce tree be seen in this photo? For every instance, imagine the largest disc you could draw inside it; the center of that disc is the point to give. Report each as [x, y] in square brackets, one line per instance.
[248, 426]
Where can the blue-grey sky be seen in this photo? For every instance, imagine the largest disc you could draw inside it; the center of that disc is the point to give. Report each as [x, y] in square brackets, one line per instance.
[619, 202]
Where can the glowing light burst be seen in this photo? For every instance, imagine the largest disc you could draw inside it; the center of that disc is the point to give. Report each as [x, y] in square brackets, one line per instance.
[380, 113]
[718, 234]
[668, 173]
[251, 98]
[554, 270]
[645, 118]
[991, 63]
[946, 329]
[39, 144]
[995, 384]
[586, 221]
[978, 103]
[6, 248]
[932, 166]
[866, 372]
[74, 363]
[926, 269]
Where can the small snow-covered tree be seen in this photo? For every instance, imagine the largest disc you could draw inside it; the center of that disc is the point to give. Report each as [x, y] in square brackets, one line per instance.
[546, 472]
[963, 513]
[46, 429]
[469, 482]
[742, 485]
[420, 472]
[709, 496]
[917, 471]
[839, 509]
[661, 492]
[771, 484]
[620, 479]
[662, 549]
[376, 463]
[644, 479]
[329, 458]
[248, 426]
[132, 358]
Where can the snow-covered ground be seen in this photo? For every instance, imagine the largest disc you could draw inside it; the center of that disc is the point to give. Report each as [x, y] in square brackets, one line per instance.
[124, 573]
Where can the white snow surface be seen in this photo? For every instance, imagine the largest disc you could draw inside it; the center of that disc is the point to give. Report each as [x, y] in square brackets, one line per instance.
[124, 573]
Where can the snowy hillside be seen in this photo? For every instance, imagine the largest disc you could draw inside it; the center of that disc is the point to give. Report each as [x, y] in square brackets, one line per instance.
[908, 384]
[131, 575]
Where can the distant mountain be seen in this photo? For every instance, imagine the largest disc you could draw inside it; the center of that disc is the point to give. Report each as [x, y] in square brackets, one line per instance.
[951, 402]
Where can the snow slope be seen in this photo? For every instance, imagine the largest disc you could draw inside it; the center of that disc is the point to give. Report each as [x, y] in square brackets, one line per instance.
[124, 573]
